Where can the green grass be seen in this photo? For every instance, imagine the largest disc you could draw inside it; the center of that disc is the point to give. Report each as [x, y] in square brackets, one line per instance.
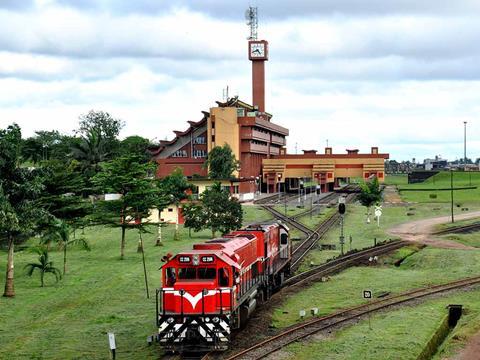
[292, 210]
[363, 234]
[442, 180]
[400, 179]
[450, 225]
[314, 219]
[100, 294]
[472, 239]
[345, 289]
[253, 213]
[398, 334]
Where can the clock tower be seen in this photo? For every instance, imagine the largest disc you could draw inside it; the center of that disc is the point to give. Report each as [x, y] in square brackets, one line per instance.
[258, 54]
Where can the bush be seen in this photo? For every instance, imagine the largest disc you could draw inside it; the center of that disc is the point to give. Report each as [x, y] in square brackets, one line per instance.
[433, 196]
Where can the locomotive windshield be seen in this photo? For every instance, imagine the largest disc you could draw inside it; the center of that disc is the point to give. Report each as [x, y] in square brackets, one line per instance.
[200, 273]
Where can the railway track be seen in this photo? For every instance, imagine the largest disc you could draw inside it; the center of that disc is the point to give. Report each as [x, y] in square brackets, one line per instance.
[460, 229]
[343, 262]
[305, 329]
[275, 199]
[312, 235]
[326, 200]
[188, 356]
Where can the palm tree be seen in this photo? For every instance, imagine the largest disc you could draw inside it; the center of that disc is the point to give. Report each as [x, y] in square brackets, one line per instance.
[44, 266]
[91, 150]
[59, 232]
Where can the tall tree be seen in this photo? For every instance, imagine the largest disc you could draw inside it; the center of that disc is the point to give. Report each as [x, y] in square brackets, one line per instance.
[135, 145]
[104, 126]
[175, 186]
[47, 145]
[19, 189]
[217, 210]
[62, 195]
[91, 149]
[137, 194]
[370, 194]
[194, 217]
[221, 162]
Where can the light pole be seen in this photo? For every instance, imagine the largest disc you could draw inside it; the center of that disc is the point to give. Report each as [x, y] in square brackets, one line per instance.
[464, 145]
[451, 193]
[304, 189]
[279, 176]
[299, 184]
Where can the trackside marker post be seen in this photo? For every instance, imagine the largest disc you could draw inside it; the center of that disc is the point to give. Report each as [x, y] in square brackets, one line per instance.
[111, 343]
[367, 294]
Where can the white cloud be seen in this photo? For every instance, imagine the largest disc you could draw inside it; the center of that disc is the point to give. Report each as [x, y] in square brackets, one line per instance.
[393, 77]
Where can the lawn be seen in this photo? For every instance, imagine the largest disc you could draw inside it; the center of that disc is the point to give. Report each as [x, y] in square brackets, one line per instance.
[421, 268]
[254, 213]
[400, 179]
[442, 180]
[472, 239]
[99, 294]
[450, 225]
[390, 335]
[363, 234]
[293, 210]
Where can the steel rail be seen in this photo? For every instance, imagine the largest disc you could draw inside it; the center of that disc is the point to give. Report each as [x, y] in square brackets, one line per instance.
[459, 229]
[310, 327]
[343, 261]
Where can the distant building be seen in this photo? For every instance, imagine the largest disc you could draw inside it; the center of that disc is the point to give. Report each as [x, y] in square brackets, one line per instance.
[435, 164]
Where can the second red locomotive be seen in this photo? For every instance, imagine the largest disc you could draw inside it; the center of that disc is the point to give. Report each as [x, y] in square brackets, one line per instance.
[213, 289]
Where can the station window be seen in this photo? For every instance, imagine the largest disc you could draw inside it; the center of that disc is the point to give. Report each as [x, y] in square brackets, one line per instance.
[180, 153]
[199, 140]
[199, 153]
[170, 210]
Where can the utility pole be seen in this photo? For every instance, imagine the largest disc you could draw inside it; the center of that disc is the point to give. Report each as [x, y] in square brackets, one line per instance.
[341, 210]
[464, 145]
[451, 193]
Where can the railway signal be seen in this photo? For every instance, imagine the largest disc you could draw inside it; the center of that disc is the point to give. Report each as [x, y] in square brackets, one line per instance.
[341, 210]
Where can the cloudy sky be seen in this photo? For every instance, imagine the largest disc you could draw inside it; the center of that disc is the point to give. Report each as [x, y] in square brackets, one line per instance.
[400, 74]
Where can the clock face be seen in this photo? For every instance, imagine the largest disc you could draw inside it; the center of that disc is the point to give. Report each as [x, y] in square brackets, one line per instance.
[257, 50]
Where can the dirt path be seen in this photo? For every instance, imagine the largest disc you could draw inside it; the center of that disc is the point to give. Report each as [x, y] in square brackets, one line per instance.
[391, 195]
[421, 231]
[471, 350]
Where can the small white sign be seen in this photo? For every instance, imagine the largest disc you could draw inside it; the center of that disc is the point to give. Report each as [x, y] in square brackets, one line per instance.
[378, 211]
[111, 341]
[367, 294]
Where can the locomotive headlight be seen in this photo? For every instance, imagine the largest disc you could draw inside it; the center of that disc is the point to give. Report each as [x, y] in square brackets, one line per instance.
[196, 261]
[207, 319]
[170, 320]
[216, 319]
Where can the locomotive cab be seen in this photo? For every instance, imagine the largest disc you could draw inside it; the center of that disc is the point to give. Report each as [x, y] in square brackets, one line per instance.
[194, 305]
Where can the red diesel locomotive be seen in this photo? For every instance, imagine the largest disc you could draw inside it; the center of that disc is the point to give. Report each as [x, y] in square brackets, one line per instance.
[213, 289]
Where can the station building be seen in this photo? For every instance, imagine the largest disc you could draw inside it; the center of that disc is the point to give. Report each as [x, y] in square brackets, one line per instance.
[260, 146]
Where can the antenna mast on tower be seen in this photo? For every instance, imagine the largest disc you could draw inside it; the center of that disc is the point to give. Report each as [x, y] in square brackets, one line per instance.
[252, 22]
